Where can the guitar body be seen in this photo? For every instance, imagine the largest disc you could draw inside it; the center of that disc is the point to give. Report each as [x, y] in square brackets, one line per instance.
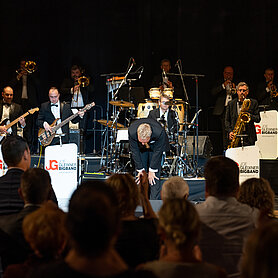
[46, 137]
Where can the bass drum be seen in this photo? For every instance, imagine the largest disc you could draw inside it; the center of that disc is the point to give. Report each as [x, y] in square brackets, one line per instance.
[145, 108]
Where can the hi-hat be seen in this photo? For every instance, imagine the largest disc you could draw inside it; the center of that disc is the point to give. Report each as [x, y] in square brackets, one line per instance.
[110, 123]
[121, 103]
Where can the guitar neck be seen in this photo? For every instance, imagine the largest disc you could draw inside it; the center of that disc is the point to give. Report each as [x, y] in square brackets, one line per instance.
[16, 120]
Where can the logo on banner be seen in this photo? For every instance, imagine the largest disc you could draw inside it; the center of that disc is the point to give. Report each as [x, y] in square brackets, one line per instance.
[61, 165]
[1, 164]
[265, 129]
[248, 169]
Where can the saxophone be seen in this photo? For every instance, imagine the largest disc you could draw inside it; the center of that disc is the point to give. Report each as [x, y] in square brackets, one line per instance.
[242, 120]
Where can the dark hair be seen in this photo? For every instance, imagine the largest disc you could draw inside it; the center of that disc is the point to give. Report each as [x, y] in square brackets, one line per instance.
[35, 185]
[260, 256]
[257, 193]
[222, 176]
[75, 67]
[13, 148]
[93, 218]
[165, 60]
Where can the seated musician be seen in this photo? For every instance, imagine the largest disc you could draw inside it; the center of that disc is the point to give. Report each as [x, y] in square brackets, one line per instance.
[164, 80]
[234, 109]
[10, 111]
[55, 110]
[165, 115]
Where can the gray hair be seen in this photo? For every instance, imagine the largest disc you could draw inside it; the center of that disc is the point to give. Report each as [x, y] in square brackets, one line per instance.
[144, 131]
[240, 84]
[174, 188]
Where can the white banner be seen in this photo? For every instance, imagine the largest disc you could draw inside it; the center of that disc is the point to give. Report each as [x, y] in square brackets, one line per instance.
[248, 161]
[61, 163]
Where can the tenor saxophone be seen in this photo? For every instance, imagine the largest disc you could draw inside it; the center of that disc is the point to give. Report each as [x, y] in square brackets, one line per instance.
[242, 120]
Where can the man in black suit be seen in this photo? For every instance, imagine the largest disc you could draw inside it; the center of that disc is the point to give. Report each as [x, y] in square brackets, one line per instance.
[164, 115]
[267, 93]
[224, 91]
[35, 189]
[10, 111]
[164, 80]
[148, 140]
[26, 93]
[234, 109]
[54, 109]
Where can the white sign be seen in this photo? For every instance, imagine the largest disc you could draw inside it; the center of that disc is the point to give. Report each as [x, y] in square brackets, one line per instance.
[3, 165]
[266, 131]
[248, 161]
[61, 163]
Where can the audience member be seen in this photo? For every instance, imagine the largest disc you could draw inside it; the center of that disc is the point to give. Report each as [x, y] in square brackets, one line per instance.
[226, 222]
[260, 256]
[44, 229]
[257, 193]
[174, 188]
[137, 241]
[179, 230]
[92, 223]
[35, 189]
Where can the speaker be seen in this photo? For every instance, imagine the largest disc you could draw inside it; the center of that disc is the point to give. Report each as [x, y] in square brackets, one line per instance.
[204, 145]
[75, 137]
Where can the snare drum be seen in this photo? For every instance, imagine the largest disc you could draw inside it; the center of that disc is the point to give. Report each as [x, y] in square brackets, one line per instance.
[154, 93]
[145, 108]
[169, 92]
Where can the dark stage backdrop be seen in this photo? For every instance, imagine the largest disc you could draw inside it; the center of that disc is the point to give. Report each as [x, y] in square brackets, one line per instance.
[102, 36]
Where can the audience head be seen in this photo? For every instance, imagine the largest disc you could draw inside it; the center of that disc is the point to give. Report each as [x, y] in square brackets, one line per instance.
[127, 193]
[35, 186]
[256, 192]
[179, 222]
[44, 229]
[222, 177]
[261, 256]
[16, 152]
[174, 187]
[93, 219]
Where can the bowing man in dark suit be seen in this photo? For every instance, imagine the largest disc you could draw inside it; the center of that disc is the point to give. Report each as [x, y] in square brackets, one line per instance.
[164, 115]
[148, 140]
[54, 109]
[233, 110]
[10, 111]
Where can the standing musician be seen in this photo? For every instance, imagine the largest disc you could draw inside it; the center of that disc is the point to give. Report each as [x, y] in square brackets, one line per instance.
[11, 111]
[267, 93]
[223, 92]
[148, 140]
[233, 111]
[164, 115]
[164, 80]
[54, 109]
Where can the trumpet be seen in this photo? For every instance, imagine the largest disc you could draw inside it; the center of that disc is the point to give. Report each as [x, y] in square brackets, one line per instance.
[30, 67]
[273, 90]
[230, 89]
[83, 81]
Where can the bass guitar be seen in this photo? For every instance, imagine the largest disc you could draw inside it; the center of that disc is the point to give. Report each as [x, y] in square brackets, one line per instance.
[46, 137]
[7, 126]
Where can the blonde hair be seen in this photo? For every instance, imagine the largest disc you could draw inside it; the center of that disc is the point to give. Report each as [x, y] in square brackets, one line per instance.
[174, 187]
[126, 191]
[44, 229]
[144, 131]
[180, 221]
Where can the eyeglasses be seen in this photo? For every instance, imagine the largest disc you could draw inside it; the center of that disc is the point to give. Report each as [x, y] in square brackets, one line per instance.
[242, 90]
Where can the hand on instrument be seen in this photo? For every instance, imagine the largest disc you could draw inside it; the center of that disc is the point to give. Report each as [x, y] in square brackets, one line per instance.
[170, 84]
[22, 122]
[81, 113]
[76, 88]
[152, 177]
[231, 135]
[228, 82]
[47, 127]
[21, 73]
[3, 129]
[144, 183]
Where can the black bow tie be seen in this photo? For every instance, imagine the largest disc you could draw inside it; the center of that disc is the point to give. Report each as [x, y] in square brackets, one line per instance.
[54, 105]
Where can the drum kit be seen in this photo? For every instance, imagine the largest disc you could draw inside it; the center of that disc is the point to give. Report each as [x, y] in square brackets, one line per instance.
[176, 162]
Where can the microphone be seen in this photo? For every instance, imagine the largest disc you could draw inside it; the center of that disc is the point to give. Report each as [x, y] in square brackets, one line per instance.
[133, 61]
[141, 71]
[164, 73]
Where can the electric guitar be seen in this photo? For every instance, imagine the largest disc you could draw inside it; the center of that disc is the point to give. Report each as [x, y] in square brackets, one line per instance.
[7, 126]
[46, 137]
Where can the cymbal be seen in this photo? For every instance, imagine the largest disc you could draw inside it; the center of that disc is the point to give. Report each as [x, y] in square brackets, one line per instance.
[104, 122]
[121, 103]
